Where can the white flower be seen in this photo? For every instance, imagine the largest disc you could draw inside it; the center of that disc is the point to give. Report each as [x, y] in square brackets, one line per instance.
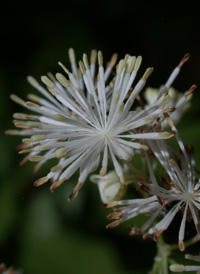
[182, 268]
[84, 116]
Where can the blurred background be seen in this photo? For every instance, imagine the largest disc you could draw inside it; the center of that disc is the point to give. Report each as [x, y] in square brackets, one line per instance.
[41, 232]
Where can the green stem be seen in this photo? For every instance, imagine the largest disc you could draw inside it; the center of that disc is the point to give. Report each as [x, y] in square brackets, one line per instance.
[161, 260]
[164, 250]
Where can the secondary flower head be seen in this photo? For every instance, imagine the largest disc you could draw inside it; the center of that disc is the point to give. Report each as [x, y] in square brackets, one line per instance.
[83, 116]
[183, 187]
[181, 194]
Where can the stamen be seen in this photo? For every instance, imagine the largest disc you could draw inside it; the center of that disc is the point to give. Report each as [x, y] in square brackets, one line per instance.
[114, 215]
[51, 76]
[110, 204]
[61, 152]
[193, 87]
[64, 68]
[17, 99]
[93, 56]
[82, 67]
[113, 60]
[72, 56]
[12, 132]
[120, 66]
[103, 171]
[147, 73]
[38, 137]
[166, 135]
[100, 58]
[113, 224]
[138, 63]
[33, 97]
[33, 82]
[184, 59]
[56, 168]
[47, 81]
[32, 105]
[36, 158]
[41, 181]
[177, 268]
[56, 184]
[131, 62]
[181, 245]
[59, 117]
[85, 61]
[74, 194]
[61, 78]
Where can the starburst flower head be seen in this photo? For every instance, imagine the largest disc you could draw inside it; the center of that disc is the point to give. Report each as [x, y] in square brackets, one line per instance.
[83, 116]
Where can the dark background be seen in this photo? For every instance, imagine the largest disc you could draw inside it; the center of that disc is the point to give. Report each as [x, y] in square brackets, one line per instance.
[41, 232]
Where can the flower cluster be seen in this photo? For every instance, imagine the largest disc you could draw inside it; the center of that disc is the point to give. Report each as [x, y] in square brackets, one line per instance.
[90, 118]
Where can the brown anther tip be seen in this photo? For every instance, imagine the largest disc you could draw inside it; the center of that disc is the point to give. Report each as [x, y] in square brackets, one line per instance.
[72, 196]
[144, 186]
[111, 204]
[104, 206]
[161, 200]
[40, 181]
[191, 90]
[36, 168]
[113, 224]
[181, 245]
[145, 236]
[24, 160]
[185, 58]
[114, 215]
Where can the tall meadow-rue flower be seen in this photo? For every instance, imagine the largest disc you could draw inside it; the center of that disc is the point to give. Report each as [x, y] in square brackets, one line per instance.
[182, 193]
[84, 116]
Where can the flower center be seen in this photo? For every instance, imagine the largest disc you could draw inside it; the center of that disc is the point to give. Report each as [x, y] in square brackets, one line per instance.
[188, 196]
[105, 134]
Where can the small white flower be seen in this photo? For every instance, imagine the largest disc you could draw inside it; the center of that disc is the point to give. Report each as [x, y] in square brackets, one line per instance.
[110, 187]
[186, 268]
[84, 116]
